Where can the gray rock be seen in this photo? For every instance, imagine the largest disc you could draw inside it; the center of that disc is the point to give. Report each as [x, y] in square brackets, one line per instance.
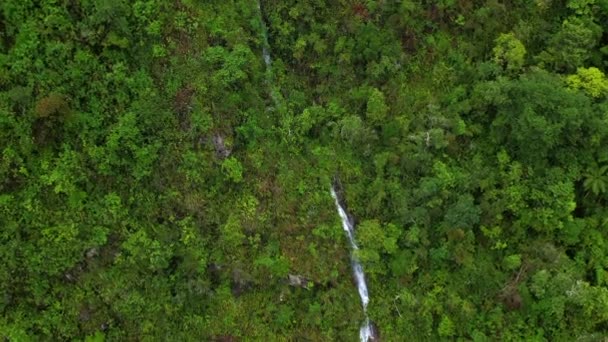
[297, 280]
[91, 253]
[220, 147]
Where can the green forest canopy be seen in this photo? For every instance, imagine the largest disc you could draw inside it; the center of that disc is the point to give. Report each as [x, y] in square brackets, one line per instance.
[159, 182]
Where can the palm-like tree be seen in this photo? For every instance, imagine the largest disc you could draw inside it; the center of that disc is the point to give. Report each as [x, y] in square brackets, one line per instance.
[596, 180]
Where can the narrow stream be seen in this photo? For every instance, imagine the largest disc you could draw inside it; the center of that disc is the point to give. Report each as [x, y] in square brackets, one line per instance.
[274, 91]
[265, 49]
[366, 332]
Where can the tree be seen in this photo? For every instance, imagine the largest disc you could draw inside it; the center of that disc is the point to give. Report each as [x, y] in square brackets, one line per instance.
[376, 241]
[446, 327]
[571, 46]
[233, 169]
[596, 179]
[232, 235]
[509, 52]
[376, 107]
[591, 80]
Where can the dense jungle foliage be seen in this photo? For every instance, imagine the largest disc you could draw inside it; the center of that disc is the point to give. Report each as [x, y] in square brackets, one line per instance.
[159, 183]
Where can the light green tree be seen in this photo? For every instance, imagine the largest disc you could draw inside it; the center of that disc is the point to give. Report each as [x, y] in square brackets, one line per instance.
[446, 327]
[376, 107]
[509, 52]
[231, 234]
[590, 80]
[233, 169]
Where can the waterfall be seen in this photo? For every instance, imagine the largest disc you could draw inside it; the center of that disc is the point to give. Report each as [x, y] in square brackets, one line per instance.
[275, 94]
[366, 332]
[265, 45]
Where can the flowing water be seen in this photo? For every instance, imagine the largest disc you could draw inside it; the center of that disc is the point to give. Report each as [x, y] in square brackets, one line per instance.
[275, 94]
[265, 49]
[366, 332]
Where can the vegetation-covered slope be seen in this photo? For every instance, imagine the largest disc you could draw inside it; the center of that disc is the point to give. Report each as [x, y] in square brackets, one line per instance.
[158, 182]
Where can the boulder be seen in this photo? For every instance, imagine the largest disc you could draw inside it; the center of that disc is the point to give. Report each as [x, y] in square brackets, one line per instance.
[297, 280]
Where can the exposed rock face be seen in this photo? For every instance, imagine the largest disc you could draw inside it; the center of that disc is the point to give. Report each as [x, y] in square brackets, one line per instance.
[340, 197]
[375, 336]
[297, 280]
[220, 147]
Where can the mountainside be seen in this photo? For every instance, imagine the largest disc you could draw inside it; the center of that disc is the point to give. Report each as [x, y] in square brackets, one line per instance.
[166, 169]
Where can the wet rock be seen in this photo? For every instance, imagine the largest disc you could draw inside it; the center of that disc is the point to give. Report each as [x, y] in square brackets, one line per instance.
[336, 185]
[375, 336]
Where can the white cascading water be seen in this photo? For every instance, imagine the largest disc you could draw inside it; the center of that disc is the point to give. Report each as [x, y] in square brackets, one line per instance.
[366, 332]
